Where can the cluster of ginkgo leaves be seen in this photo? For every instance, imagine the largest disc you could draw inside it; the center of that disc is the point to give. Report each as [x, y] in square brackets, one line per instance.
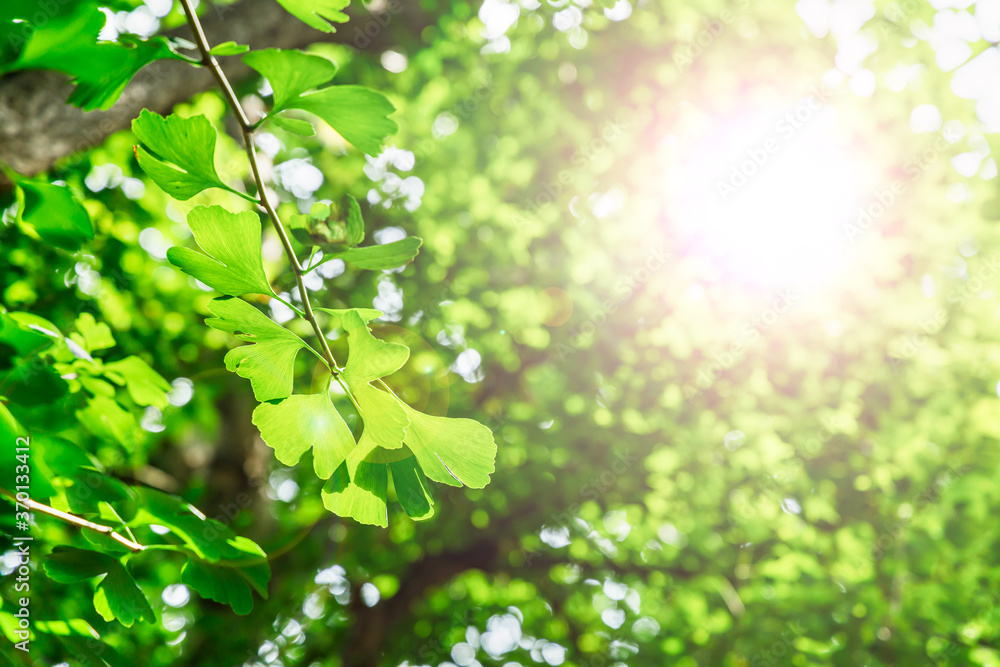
[47, 377]
[396, 442]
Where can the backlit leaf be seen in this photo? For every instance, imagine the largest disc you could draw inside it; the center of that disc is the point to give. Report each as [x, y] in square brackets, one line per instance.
[360, 115]
[318, 14]
[58, 218]
[178, 153]
[233, 264]
[269, 363]
[301, 422]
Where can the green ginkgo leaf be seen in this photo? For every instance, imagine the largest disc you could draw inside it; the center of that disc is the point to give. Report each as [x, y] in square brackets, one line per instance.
[144, 385]
[178, 153]
[290, 73]
[300, 422]
[451, 451]
[223, 584]
[369, 358]
[329, 227]
[58, 218]
[298, 126]
[360, 115]
[233, 264]
[337, 315]
[65, 37]
[385, 256]
[359, 488]
[372, 359]
[116, 597]
[269, 363]
[92, 335]
[318, 14]
[229, 49]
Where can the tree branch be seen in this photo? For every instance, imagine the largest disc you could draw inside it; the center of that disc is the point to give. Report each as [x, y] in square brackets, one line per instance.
[247, 129]
[73, 519]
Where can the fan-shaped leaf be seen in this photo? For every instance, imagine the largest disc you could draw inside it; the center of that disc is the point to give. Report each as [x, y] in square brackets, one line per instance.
[233, 264]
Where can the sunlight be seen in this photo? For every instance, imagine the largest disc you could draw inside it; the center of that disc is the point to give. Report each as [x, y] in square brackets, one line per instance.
[766, 199]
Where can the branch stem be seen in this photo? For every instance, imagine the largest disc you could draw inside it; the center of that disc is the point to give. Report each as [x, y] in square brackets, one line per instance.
[75, 520]
[248, 128]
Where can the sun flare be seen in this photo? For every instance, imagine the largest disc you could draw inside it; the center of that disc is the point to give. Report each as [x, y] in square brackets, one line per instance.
[767, 198]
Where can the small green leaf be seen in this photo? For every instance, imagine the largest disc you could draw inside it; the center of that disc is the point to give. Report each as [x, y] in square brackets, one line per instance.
[360, 115]
[451, 451]
[290, 73]
[220, 583]
[58, 218]
[106, 419]
[355, 222]
[386, 256]
[337, 315]
[359, 488]
[269, 364]
[302, 421]
[178, 153]
[233, 265]
[317, 13]
[92, 335]
[117, 596]
[229, 49]
[207, 538]
[145, 386]
[371, 359]
[297, 126]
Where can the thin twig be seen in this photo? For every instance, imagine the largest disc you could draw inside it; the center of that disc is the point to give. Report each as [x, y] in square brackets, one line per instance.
[73, 519]
[247, 128]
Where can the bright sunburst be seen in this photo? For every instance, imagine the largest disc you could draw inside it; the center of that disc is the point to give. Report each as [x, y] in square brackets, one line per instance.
[767, 198]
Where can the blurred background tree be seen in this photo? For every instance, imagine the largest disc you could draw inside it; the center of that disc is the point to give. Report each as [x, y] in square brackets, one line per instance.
[720, 277]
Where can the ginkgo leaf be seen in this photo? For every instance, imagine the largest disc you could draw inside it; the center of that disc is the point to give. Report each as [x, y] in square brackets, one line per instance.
[338, 230]
[225, 585]
[116, 597]
[298, 126]
[207, 538]
[317, 13]
[91, 334]
[368, 357]
[66, 37]
[178, 153]
[233, 264]
[324, 227]
[371, 359]
[229, 49]
[359, 488]
[269, 363]
[290, 73]
[58, 218]
[451, 451]
[145, 385]
[301, 422]
[385, 256]
[360, 115]
[337, 315]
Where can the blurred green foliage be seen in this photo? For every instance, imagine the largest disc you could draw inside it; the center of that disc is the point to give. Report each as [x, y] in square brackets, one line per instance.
[683, 476]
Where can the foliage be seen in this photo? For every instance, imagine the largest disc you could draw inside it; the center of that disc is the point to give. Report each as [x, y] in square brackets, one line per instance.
[684, 475]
